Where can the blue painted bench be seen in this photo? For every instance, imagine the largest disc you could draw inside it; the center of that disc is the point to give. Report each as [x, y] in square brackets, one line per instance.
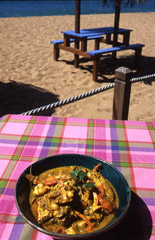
[96, 54]
[56, 44]
[60, 41]
[99, 52]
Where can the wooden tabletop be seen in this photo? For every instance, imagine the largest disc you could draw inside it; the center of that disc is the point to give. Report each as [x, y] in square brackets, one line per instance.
[95, 31]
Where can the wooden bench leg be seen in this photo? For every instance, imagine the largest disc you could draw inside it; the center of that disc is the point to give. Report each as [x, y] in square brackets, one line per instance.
[66, 41]
[76, 60]
[84, 45]
[56, 52]
[126, 38]
[138, 52]
[95, 69]
[108, 38]
[97, 44]
[114, 55]
[76, 57]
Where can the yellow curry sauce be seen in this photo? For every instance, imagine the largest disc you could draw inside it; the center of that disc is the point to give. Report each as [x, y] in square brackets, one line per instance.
[72, 199]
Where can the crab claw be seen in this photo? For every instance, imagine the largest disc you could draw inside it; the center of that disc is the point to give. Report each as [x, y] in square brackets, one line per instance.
[105, 204]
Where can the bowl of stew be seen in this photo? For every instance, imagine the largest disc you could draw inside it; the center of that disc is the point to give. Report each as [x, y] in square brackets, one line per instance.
[72, 196]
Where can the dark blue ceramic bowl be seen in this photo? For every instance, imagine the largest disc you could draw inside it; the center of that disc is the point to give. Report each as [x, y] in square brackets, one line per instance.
[108, 171]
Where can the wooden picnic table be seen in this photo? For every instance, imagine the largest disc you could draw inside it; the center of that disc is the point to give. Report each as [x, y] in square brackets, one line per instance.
[105, 35]
[84, 35]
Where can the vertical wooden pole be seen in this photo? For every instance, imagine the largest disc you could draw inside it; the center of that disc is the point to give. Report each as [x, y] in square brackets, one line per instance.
[117, 13]
[77, 30]
[77, 15]
[116, 24]
[122, 91]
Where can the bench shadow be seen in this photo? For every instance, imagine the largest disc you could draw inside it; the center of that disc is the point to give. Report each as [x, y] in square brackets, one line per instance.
[16, 98]
[146, 66]
[137, 224]
[107, 66]
[108, 69]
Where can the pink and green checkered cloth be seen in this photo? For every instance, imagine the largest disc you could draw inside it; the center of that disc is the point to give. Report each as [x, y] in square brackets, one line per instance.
[128, 145]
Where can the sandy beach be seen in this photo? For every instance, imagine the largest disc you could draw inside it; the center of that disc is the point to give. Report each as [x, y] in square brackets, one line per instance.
[30, 78]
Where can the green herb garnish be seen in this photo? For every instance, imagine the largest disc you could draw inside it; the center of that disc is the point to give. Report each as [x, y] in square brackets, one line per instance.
[78, 176]
[75, 174]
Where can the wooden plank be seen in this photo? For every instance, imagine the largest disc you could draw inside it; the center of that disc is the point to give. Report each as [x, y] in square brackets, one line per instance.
[75, 51]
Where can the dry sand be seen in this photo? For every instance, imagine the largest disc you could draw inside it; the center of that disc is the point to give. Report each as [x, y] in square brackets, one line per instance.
[29, 77]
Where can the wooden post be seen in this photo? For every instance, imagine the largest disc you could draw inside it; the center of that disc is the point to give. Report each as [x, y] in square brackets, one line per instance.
[77, 15]
[122, 91]
[77, 29]
[116, 24]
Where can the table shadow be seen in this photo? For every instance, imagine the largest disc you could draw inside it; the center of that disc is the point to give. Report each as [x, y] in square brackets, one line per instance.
[136, 225]
[108, 65]
[17, 97]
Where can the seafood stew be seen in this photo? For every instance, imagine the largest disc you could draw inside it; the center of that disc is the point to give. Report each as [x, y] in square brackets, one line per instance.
[72, 199]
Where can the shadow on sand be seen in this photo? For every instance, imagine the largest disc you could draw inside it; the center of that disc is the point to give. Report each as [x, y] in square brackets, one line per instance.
[108, 66]
[16, 98]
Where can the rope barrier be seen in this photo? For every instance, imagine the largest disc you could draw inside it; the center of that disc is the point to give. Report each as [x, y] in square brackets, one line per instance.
[81, 96]
[69, 100]
[143, 78]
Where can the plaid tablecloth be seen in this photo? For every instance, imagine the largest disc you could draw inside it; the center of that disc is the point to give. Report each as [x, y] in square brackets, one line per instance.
[128, 145]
